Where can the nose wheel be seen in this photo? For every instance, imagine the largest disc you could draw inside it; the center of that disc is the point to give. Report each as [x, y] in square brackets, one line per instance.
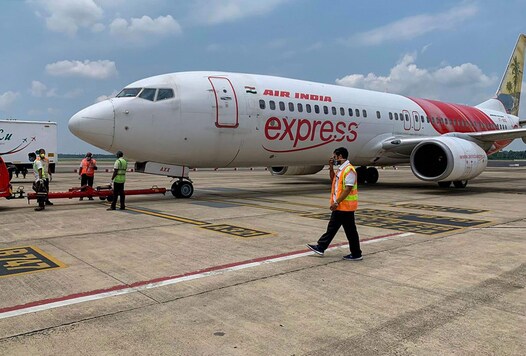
[182, 189]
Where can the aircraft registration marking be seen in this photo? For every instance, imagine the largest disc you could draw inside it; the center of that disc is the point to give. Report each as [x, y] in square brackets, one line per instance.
[401, 221]
[445, 209]
[26, 259]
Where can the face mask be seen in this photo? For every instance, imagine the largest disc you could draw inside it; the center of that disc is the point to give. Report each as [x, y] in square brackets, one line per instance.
[42, 155]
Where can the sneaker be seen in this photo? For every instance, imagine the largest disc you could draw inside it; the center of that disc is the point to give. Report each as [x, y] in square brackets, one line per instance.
[122, 208]
[90, 198]
[317, 249]
[39, 208]
[110, 209]
[350, 257]
[81, 199]
[49, 203]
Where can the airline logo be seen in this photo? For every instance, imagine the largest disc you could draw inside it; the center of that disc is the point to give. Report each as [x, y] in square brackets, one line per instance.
[302, 96]
[303, 134]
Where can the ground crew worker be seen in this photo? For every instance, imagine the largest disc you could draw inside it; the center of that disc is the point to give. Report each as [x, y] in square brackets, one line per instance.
[118, 178]
[38, 185]
[344, 202]
[45, 170]
[87, 169]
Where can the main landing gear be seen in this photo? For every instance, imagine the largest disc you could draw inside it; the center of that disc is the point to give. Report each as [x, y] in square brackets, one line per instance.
[456, 184]
[182, 188]
[367, 175]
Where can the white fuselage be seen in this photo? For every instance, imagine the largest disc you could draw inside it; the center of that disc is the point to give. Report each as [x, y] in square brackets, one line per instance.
[217, 119]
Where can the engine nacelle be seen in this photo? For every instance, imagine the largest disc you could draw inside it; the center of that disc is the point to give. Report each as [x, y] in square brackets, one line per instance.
[447, 159]
[294, 170]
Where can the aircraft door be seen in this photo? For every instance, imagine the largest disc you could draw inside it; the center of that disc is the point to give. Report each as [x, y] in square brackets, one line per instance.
[417, 124]
[226, 103]
[407, 120]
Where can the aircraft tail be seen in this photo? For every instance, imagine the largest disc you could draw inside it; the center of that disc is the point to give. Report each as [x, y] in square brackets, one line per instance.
[509, 93]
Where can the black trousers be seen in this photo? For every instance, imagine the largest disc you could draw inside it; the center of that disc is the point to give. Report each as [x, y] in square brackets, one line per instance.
[85, 179]
[46, 183]
[345, 219]
[118, 191]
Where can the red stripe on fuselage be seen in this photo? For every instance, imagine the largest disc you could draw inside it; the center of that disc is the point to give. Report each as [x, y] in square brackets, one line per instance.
[460, 118]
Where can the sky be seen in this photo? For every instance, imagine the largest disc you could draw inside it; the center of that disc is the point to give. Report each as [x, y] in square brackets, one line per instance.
[59, 56]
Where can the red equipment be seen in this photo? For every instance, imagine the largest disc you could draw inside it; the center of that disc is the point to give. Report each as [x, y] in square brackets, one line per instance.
[103, 192]
[6, 190]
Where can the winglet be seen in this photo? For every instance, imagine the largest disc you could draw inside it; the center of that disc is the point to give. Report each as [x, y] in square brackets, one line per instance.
[509, 92]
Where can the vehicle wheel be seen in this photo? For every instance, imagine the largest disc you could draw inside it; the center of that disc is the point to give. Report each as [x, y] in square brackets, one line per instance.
[361, 172]
[186, 189]
[460, 183]
[371, 175]
[176, 190]
[444, 184]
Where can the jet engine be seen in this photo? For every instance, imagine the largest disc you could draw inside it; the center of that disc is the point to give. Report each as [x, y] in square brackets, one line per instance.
[294, 170]
[447, 159]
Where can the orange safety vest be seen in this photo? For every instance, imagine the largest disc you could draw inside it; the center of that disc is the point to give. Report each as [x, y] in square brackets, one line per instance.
[350, 203]
[87, 167]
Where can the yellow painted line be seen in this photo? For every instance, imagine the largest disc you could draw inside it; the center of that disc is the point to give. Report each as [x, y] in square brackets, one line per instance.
[15, 261]
[168, 216]
[254, 205]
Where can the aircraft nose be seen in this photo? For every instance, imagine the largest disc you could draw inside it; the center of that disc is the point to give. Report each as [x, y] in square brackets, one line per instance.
[95, 124]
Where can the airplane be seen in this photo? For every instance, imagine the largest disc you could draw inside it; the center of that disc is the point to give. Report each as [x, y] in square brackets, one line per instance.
[171, 123]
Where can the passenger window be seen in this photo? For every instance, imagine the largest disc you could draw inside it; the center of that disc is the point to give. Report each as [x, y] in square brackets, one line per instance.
[325, 109]
[350, 112]
[396, 116]
[282, 106]
[291, 107]
[422, 118]
[272, 105]
[390, 116]
[308, 108]
[148, 94]
[300, 107]
[357, 112]
[342, 111]
[316, 109]
[378, 114]
[364, 113]
[163, 94]
[262, 104]
[334, 111]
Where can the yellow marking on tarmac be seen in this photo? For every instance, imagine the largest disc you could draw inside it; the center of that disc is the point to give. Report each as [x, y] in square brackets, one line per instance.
[254, 205]
[168, 216]
[233, 230]
[236, 230]
[26, 259]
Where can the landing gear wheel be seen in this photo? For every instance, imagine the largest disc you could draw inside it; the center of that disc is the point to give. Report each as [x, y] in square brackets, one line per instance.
[460, 183]
[182, 189]
[361, 172]
[371, 175]
[444, 184]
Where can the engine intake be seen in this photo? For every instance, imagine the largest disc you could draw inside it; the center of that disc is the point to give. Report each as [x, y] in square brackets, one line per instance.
[447, 159]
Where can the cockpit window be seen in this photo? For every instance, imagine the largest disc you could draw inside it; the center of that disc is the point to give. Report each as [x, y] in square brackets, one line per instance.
[129, 92]
[165, 94]
[148, 94]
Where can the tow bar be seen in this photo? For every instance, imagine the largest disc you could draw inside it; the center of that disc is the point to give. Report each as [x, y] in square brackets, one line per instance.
[103, 192]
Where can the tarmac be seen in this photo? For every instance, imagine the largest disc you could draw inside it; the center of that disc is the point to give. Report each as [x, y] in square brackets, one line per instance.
[227, 272]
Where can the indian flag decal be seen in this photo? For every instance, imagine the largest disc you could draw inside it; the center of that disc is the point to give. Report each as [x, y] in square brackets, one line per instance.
[251, 90]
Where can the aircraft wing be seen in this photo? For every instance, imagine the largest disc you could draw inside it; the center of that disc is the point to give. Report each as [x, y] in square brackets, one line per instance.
[497, 135]
[404, 145]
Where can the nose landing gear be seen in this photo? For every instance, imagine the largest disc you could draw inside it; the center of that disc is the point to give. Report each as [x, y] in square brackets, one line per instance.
[182, 188]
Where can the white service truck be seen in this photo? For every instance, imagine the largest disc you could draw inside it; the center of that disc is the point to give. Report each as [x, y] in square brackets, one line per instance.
[18, 138]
